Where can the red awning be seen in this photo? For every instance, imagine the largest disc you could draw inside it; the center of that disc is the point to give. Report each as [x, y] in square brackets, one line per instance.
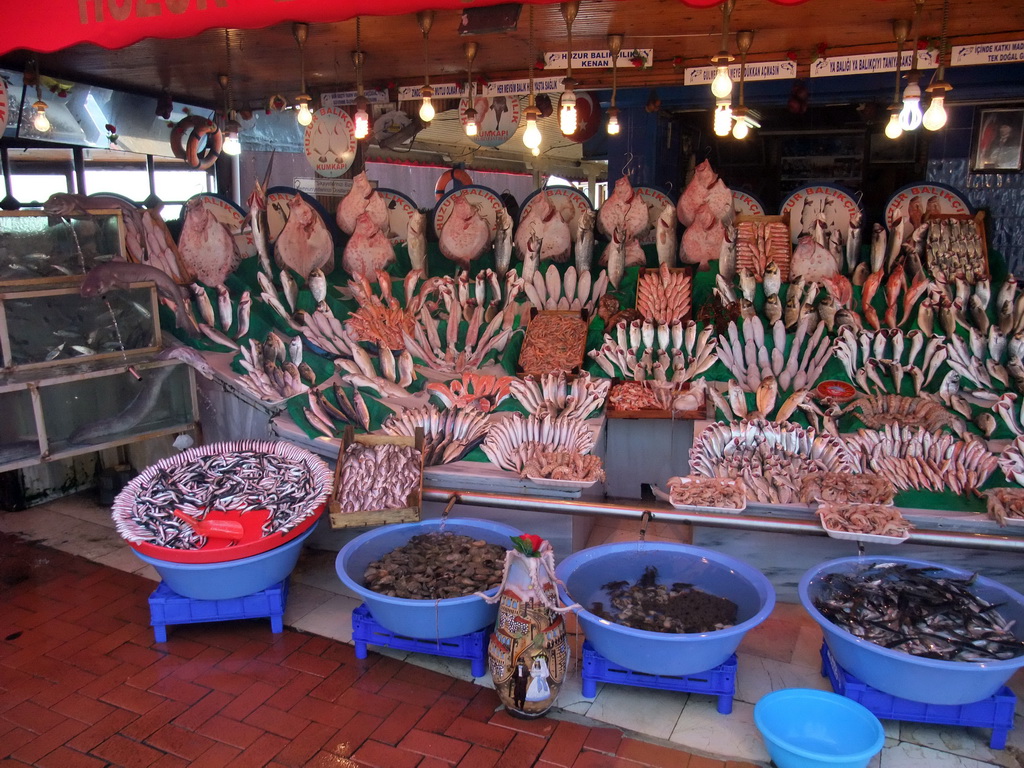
[119, 23]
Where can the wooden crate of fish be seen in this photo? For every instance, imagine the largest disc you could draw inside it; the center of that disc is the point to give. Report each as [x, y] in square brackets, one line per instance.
[378, 480]
[956, 246]
[761, 240]
[664, 295]
[656, 400]
[44, 324]
[555, 341]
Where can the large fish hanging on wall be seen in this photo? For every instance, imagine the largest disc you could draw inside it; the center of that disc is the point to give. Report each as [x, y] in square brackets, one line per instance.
[207, 248]
[305, 243]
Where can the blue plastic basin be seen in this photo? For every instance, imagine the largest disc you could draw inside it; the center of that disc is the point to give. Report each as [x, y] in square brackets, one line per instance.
[804, 728]
[660, 653]
[931, 681]
[231, 578]
[421, 619]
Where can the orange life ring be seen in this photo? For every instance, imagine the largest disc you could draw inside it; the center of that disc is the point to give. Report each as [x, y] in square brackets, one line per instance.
[452, 174]
[189, 152]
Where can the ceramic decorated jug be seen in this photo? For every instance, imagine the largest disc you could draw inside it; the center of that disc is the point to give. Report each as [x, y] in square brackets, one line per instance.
[528, 653]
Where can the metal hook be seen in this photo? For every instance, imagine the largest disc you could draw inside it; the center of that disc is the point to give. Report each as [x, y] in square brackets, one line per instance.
[645, 518]
[629, 162]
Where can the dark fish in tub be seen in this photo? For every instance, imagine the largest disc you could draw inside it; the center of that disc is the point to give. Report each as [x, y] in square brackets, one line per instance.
[919, 611]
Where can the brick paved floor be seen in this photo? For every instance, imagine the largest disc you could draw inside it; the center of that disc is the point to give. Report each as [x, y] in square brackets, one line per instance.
[82, 683]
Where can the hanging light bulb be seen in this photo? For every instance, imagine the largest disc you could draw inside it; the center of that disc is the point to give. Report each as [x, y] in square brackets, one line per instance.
[741, 128]
[427, 111]
[360, 118]
[613, 121]
[567, 120]
[893, 130]
[426, 20]
[723, 118]
[910, 115]
[614, 47]
[721, 86]
[567, 108]
[935, 115]
[470, 114]
[40, 122]
[900, 27]
[303, 116]
[535, 151]
[231, 145]
[531, 136]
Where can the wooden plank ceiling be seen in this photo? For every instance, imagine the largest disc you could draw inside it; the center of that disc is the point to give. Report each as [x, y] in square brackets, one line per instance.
[266, 61]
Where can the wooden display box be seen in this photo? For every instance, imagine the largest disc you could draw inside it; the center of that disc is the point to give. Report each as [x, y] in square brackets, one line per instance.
[654, 413]
[744, 262]
[362, 518]
[654, 272]
[552, 326]
[979, 223]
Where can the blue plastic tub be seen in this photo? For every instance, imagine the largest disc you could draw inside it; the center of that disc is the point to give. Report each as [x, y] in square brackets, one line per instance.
[897, 673]
[804, 728]
[421, 619]
[232, 578]
[658, 653]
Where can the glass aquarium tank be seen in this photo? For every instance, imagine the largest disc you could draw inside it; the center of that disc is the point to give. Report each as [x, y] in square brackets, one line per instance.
[117, 407]
[19, 439]
[58, 325]
[35, 245]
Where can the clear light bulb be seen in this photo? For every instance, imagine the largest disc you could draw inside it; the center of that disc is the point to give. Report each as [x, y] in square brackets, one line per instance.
[471, 126]
[935, 115]
[531, 136]
[613, 123]
[41, 122]
[304, 116]
[427, 110]
[910, 115]
[892, 128]
[231, 146]
[723, 119]
[535, 151]
[567, 113]
[741, 130]
[721, 86]
[362, 121]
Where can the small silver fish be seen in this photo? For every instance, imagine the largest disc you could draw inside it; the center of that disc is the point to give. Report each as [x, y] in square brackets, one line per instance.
[55, 352]
[317, 282]
[771, 279]
[224, 308]
[204, 304]
[244, 314]
[290, 288]
[295, 349]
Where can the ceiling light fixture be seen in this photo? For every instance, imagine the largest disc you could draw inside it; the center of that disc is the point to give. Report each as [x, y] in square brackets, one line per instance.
[744, 39]
[614, 47]
[361, 118]
[471, 49]
[40, 121]
[300, 31]
[935, 115]
[899, 31]
[910, 115]
[721, 86]
[232, 145]
[567, 102]
[426, 21]
[531, 136]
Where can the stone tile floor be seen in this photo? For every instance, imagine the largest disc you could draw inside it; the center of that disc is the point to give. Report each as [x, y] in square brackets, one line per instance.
[83, 683]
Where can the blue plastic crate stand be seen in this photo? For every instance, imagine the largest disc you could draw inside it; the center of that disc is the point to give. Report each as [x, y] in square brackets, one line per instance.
[473, 646]
[167, 607]
[720, 681]
[995, 712]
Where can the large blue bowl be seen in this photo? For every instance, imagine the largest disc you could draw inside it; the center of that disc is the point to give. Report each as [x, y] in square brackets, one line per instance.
[421, 619]
[231, 578]
[897, 673]
[658, 653]
[804, 728]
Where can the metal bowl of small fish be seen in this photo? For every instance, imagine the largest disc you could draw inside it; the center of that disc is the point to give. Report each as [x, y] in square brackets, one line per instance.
[918, 630]
[222, 502]
[591, 575]
[426, 619]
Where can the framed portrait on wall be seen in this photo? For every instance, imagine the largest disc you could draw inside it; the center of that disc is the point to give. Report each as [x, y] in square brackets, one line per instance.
[998, 134]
